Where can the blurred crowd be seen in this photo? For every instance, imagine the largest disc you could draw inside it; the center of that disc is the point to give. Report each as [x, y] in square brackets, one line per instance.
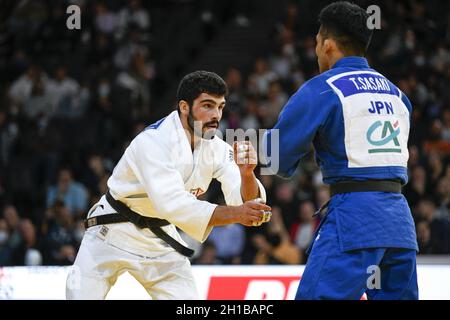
[72, 100]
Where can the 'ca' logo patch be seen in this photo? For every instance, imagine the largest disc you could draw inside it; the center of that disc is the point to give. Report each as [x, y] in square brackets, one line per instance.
[389, 141]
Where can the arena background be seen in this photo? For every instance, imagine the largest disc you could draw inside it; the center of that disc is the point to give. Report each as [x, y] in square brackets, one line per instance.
[71, 101]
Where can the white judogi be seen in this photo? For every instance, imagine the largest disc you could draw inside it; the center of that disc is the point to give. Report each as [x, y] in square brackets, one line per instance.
[158, 176]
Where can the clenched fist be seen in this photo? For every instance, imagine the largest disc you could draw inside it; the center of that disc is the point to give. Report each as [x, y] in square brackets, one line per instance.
[254, 213]
[245, 156]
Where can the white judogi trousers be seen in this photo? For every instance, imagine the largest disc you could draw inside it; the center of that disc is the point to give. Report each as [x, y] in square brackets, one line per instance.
[100, 262]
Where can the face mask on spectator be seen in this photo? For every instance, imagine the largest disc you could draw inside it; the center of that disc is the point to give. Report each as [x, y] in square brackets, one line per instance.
[3, 237]
[33, 258]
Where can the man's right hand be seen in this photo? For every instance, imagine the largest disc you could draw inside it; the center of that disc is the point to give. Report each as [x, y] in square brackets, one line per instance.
[253, 213]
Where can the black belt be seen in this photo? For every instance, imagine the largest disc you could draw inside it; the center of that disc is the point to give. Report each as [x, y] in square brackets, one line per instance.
[361, 186]
[365, 186]
[125, 214]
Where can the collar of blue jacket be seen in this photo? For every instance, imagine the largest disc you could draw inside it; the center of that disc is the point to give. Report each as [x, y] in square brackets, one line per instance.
[352, 61]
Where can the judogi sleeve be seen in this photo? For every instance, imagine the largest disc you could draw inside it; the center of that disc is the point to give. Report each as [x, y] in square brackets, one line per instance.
[151, 163]
[229, 176]
[297, 125]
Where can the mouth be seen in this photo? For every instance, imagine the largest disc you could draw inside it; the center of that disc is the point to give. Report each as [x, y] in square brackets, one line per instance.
[212, 126]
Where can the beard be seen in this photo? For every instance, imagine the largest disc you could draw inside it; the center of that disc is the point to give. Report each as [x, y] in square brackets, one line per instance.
[206, 131]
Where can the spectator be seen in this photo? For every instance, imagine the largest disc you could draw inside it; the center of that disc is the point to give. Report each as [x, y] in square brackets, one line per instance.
[414, 156]
[285, 61]
[69, 100]
[259, 81]
[251, 119]
[133, 14]
[302, 231]
[271, 107]
[439, 239]
[27, 253]
[442, 197]
[12, 220]
[236, 97]
[424, 237]
[207, 254]
[229, 242]
[106, 21]
[124, 54]
[9, 132]
[21, 89]
[70, 192]
[285, 199]
[96, 174]
[60, 239]
[275, 245]
[136, 80]
[5, 250]
[436, 167]
[39, 103]
[417, 186]
[435, 142]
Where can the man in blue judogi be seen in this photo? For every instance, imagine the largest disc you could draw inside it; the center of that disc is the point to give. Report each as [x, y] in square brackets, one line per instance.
[358, 122]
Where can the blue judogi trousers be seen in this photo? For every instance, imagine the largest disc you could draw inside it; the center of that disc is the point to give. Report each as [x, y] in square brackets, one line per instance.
[332, 273]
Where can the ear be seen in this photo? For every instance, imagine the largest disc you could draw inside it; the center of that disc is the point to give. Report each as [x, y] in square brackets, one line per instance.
[328, 45]
[183, 106]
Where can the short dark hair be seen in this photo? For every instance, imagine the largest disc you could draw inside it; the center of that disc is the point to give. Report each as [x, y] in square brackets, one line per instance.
[346, 23]
[194, 84]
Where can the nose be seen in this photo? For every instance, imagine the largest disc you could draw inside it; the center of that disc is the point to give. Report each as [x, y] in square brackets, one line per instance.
[216, 114]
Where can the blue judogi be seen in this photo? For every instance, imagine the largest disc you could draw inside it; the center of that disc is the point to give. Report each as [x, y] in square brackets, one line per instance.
[358, 122]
